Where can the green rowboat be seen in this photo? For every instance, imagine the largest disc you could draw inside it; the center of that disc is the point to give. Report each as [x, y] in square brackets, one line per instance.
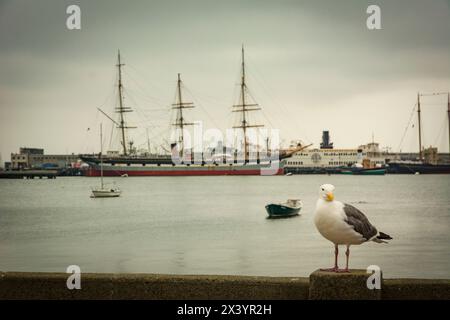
[283, 210]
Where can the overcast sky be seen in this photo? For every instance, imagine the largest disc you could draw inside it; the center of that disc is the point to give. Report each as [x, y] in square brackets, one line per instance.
[312, 65]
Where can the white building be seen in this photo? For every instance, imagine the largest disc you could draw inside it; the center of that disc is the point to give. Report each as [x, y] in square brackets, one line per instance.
[34, 158]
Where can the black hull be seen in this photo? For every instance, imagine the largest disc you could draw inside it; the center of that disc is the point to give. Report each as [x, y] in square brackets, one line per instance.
[312, 170]
[127, 160]
[406, 168]
[281, 211]
[162, 160]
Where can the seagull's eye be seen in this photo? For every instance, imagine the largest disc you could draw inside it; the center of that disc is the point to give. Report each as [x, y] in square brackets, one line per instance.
[323, 189]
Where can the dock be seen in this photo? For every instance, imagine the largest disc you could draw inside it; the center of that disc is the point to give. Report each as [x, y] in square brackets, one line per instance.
[28, 174]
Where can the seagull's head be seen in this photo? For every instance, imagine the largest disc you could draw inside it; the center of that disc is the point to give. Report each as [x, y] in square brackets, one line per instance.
[326, 192]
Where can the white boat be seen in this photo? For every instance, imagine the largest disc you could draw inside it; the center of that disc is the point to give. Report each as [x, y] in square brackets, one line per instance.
[105, 192]
[102, 191]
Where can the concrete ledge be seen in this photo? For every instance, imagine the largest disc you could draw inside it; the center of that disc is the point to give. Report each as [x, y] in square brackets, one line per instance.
[16, 285]
[416, 289]
[341, 286]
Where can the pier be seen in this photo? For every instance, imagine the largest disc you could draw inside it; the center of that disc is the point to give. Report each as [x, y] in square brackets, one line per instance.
[28, 174]
[320, 285]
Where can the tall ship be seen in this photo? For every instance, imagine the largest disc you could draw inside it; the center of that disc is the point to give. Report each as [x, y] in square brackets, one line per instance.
[184, 161]
[428, 161]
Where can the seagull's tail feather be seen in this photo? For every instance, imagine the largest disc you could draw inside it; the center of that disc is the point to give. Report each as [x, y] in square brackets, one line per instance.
[382, 236]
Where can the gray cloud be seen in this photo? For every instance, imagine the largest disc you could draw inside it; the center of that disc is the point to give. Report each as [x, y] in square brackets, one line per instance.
[313, 65]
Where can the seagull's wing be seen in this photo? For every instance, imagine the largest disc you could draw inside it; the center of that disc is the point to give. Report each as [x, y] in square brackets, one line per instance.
[359, 222]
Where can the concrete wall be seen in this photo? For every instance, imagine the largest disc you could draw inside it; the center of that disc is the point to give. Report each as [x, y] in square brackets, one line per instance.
[14, 285]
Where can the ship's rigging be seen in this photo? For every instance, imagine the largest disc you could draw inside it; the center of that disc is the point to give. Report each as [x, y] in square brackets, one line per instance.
[121, 110]
[180, 121]
[244, 108]
[418, 108]
[245, 105]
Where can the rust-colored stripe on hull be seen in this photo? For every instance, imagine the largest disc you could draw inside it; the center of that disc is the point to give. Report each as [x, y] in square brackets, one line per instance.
[91, 172]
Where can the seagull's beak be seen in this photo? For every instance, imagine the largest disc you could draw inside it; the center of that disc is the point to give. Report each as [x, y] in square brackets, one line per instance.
[330, 196]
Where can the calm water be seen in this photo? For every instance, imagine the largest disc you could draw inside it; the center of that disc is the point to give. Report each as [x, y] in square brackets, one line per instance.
[218, 225]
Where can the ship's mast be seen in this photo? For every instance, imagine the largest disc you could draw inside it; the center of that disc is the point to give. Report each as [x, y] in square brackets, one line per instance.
[448, 113]
[420, 126]
[419, 119]
[180, 122]
[245, 107]
[148, 141]
[121, 110]
[101, 155]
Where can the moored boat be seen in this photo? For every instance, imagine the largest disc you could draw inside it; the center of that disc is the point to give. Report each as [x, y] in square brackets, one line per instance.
[424, 164]
[102, 191]
[289, 208]
[182, 170]
[364, 171]
[106, 192]
[405, 167]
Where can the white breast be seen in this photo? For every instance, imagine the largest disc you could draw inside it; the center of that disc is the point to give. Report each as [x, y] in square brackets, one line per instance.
[329, 219]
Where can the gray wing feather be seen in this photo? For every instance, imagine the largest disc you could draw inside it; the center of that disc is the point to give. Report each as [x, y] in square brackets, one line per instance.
[359, 222]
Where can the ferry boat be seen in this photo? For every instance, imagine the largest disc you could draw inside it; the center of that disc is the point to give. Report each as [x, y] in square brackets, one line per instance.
[328, 160]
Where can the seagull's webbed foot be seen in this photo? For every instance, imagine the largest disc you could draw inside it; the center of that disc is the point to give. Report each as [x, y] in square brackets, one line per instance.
[334, 269]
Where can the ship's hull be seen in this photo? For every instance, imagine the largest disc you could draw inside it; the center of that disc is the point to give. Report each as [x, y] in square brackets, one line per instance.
[182, 170]
[313, 170]
[281, 211]
[105, 193]
[408, 168]
[365, 172]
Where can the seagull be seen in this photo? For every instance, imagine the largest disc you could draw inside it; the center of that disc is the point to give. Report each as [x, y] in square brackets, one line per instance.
[343, 224]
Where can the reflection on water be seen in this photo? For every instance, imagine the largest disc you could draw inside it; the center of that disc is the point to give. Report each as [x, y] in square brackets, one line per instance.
[218, 225]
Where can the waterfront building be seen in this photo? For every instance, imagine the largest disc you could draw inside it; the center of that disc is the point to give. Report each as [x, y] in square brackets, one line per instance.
[35, 158]
[19, 161]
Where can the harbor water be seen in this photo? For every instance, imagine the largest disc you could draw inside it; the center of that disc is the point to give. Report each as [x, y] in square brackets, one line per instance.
[218, 225]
